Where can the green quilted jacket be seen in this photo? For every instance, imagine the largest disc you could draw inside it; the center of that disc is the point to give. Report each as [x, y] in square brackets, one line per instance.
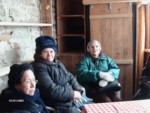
[88, 69]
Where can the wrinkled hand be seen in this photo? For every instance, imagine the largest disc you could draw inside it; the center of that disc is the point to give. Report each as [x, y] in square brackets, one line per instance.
[103, 83]
[76, 100]
[77, 95]
[106, 76]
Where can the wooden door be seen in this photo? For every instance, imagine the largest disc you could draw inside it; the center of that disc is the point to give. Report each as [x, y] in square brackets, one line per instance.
[111, 24]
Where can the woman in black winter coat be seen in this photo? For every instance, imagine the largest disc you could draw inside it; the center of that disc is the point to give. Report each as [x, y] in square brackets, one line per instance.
[58, 87]
[21, 96]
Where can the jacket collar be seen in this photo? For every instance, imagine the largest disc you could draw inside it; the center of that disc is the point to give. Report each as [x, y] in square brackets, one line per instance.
[102, 56]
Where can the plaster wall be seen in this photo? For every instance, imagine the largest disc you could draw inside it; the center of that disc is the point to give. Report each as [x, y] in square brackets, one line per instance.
[17, 43]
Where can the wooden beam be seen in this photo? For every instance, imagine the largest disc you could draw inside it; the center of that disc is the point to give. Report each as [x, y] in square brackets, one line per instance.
[110, 16]
[141, 39]
[147, 51]
[88, 2]
[147, 55]
[127, 61]
[147, 20]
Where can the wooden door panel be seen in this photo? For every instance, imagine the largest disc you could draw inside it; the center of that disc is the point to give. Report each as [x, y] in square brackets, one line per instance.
[70, 61]
[128, 40]
[95, 28]
[126, 81]
[117, 38]
[113, 8]
[67, 61]
[105, 35]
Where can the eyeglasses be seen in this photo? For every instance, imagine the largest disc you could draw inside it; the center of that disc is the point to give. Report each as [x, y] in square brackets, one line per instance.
[30, 82]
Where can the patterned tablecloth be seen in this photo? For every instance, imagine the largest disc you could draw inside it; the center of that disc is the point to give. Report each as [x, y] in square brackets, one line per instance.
[138, 106]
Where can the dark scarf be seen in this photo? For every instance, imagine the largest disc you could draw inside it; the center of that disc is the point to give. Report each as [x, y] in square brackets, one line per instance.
[17, 100]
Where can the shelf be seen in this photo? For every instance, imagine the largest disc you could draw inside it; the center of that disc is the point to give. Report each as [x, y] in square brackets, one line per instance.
[71, 44]
[71, 53]
[70, 16]
[147, 51]
[25, 24]
[70, 26]
[71, 35]
[70, 7]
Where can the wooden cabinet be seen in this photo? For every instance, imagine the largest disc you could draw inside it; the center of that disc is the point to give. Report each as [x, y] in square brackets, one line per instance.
[71, 37]
[111, 24]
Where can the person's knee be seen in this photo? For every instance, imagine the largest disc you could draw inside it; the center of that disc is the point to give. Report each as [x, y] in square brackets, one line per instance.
[115, 97]
[101, 98]
[105, 99]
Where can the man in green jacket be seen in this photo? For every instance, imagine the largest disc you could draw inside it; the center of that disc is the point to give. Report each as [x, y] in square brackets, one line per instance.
[96, 70]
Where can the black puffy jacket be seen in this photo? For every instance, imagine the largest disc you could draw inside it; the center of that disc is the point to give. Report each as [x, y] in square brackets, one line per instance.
[144, 84]
[56, 84]
[15, 101]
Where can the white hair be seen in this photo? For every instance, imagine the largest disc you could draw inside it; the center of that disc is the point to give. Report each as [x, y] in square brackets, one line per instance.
[93, 41]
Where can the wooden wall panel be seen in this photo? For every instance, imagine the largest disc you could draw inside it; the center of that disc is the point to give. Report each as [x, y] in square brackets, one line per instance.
[105, 35]
[117, 38]
[95, 28]
[68, 64]
[126, 80]
[45, 16]
[128, 40]
[70, 61]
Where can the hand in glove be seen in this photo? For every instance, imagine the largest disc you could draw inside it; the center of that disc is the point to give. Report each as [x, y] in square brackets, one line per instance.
[103, 83]
[106, 76]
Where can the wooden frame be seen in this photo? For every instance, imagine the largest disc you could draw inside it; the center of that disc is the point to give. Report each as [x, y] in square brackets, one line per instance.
[46, 16]
[88, 2]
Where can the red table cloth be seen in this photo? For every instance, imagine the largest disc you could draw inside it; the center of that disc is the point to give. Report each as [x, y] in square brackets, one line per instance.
[137, 106]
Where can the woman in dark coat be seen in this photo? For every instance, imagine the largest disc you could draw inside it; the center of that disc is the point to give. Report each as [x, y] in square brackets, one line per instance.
[21, 96]
[58, 87]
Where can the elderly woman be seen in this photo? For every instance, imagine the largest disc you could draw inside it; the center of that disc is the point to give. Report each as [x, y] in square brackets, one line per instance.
[21, 96]
[95, 71]
[58, 87]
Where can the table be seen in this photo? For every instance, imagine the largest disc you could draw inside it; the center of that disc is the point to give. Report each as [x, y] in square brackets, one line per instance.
[137, 106]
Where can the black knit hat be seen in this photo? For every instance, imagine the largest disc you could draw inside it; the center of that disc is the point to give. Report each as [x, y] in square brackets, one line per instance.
[43, 42]
[16, 73]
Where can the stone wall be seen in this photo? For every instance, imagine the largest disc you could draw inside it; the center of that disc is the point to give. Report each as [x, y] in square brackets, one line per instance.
[17, 43]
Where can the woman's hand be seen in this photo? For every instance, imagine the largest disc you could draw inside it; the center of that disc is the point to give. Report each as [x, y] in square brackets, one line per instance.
[77, 95]
[106, 76]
